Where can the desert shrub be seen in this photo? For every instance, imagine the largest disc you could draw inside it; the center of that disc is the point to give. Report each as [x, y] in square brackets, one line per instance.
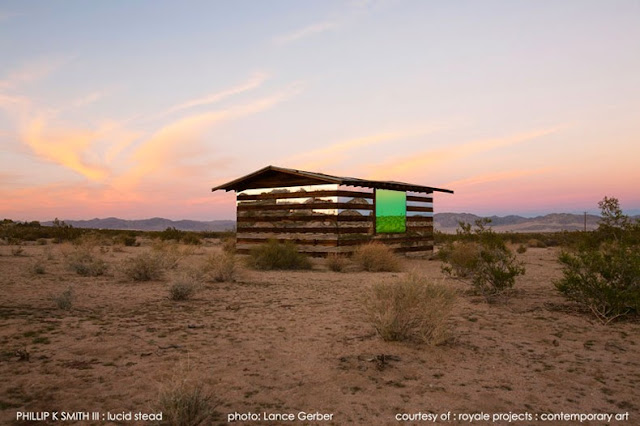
[603, 273]
[229, 245]
[536, 243]
[376, 257]
[126, 240]
[336, 262]
[37, 267]
[521, 249]
[487, 264]
[411, 309]
[84, 262]
[191, 238]
[41, 241]
[462, 256]
[277, 255]
[171, 233]
[220, 267]
[182, 288]
[171, 253]
[184, 404]
[17, 251]
[147, 266]
[65, 299]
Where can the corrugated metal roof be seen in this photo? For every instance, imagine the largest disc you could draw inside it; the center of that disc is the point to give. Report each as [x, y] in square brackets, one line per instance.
[280, 176]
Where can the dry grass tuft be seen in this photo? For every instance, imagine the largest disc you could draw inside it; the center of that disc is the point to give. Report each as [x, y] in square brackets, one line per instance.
[276, 255]
[376, 257]
[183, 288]
[184, 403]
[220, 267]
[229, 245]
[38, 266]
[536, 243]
[147, 266]
[65, 299]
[412, 309]
[17, 251]
[83, 261]
[336, 262]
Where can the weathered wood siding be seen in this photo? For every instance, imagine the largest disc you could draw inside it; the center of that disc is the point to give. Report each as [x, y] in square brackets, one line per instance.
[325, 219]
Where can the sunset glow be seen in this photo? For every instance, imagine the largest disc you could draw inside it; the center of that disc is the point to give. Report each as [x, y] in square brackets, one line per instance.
[137, 113]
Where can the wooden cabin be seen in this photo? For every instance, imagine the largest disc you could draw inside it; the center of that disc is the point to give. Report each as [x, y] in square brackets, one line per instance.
[325, 214]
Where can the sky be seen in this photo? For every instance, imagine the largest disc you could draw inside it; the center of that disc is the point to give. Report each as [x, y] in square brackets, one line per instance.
[136, 109]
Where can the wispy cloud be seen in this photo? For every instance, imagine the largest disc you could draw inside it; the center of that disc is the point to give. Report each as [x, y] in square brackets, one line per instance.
[88, 99]
[332, 154]
[503, 176]
[420, 161]
[66, 147]
[309, 30]
[34, 71]
[182, 139]
[254, 82]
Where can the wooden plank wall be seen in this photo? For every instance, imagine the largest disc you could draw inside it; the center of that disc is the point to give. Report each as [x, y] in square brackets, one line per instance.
[326, 221]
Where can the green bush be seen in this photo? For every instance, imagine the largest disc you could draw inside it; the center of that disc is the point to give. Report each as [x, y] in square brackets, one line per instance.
[483, 260]
[412, 309]
[521, 249]
[376, 257]
[276, 255]
[603, 273]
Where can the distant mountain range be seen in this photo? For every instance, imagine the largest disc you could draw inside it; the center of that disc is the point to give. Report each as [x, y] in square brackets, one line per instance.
[448, 222]
[153, 224]
[444, 222]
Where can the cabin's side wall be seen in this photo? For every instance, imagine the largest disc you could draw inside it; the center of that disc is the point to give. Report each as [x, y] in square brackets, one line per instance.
[323, 219]
[419, 235]
[308, 216]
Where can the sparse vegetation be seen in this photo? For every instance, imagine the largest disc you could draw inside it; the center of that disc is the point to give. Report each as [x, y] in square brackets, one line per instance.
[521, 249]
[171, 233]
[65, 299]
[84, 262]
[147, 266]
[411, 309]
[534, 242]
[376, 257]
[220, 267]
[229, 245]
[37, 267]
[17, 251]
[277, 255]
[185, 404]
[336, 262]
[183, 288]
[482, 259]
[603, 274]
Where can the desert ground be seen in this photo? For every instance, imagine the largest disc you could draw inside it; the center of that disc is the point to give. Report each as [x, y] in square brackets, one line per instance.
[290, 342]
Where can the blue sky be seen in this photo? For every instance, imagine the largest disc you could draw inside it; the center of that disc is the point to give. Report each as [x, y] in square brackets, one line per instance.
[136, 109]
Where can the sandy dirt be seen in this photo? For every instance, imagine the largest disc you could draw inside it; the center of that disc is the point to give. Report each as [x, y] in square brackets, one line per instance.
[290, 342]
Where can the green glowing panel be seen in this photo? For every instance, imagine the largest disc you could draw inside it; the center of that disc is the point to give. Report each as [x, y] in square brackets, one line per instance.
[391, 211]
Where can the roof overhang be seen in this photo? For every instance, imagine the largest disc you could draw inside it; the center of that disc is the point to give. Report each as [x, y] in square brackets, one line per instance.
[275, 177]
